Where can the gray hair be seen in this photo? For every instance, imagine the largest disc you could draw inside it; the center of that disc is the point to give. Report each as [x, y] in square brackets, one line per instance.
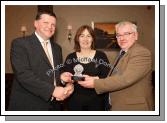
[123, 23]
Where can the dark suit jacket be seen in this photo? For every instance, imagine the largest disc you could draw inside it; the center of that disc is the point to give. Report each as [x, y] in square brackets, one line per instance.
[131, 87]
[34, 81]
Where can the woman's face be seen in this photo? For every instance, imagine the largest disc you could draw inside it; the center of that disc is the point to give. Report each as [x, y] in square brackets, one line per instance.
[85, 40]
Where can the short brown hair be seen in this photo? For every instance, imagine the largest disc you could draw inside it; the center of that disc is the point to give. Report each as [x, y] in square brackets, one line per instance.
[38, 16]
[77, 47]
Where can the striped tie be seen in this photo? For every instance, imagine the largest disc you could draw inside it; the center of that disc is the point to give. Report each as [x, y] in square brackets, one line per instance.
[45, 46]
[108, 100]
[119, 57]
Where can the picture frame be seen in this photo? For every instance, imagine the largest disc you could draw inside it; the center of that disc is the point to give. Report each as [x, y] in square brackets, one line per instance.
[105, 35]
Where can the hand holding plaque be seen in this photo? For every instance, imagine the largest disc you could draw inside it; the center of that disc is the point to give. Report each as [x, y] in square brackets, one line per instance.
[78, 69]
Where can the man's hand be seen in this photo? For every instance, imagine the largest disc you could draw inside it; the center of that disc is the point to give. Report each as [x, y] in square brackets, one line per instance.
[69, 89]
[59, 93]
[66, 77]
[89, 81]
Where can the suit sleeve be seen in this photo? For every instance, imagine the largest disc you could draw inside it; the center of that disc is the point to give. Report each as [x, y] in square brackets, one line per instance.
[24, 72]
[138, 66]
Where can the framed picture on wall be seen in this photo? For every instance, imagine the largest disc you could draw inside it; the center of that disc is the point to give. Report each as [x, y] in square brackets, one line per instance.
[105, 35]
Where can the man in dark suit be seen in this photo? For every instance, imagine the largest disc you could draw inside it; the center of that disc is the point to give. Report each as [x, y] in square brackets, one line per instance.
[130, 86]
[36, 85]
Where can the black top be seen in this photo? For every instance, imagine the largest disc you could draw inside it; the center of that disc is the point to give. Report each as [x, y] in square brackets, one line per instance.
[97, 67]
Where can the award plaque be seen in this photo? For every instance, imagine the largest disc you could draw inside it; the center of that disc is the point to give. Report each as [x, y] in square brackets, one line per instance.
[78, 69]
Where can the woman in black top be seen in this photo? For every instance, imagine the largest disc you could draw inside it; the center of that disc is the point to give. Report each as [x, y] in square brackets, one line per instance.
[91, 62]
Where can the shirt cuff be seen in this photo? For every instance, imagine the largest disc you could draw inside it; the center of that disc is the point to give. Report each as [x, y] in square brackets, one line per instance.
[63, 82]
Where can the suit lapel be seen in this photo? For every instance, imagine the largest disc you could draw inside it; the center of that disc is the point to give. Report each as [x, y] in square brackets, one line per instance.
[124, 59]
[55, 57]
[57, 61]
[39, 49]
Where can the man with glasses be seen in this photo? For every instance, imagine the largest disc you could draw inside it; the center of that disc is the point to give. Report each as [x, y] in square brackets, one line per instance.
[130, 84]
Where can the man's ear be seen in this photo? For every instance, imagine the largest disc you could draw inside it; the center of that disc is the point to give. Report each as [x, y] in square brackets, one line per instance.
[35, 24]
[136, 35]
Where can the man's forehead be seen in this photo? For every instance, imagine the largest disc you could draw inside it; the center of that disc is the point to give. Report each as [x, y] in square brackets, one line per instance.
[124, 28]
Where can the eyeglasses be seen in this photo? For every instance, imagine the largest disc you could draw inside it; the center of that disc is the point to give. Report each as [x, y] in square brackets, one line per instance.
[125, 34]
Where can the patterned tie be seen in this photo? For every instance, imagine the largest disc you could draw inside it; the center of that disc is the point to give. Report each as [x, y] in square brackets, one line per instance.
[119, 57]
[108, 104]
[45, 46]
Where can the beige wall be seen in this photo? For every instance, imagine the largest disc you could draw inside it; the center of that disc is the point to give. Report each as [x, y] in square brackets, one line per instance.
[77, 16]
[15, 17]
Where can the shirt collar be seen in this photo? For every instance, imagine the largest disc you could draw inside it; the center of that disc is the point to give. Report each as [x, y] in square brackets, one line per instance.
[40, 38]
